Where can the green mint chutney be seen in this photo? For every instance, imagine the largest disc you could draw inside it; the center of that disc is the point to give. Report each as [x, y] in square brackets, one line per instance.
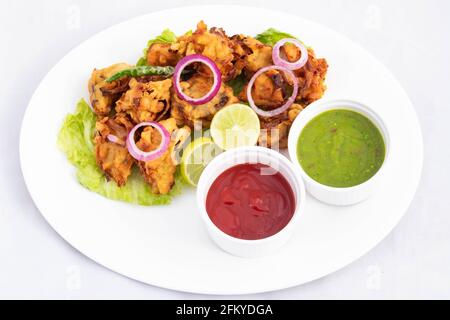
[340, 148]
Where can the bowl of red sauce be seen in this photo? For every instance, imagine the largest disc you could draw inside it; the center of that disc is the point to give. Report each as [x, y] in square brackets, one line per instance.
[250, 199]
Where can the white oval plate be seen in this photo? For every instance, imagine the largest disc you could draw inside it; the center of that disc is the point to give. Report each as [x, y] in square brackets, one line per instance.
[168, 246]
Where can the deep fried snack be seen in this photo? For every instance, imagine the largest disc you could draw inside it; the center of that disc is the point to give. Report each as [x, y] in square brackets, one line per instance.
[160, 173]
[254, 54]
[154, 98]
[271, 87]
[212, 43]
[270, 90]
[311, 77]
[161, 54]
[197, 86]
[275, 130]
[113, 157]
[146, 101]
[103, 94]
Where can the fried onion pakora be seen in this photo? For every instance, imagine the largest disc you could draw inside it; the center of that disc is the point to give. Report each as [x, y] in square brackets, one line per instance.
[130, 100]
[212, 43]
[160, 173]
[146, 101]
[275, 130]
[161, 54]
[270, 89]
[104, 94]
[113, 157]
[255, 54]
[311, 77]
[197, 86]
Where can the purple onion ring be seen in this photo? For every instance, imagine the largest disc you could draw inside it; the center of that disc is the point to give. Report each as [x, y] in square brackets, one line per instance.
[284, 107]
[140, 155]
[286, 64]
[183, 63]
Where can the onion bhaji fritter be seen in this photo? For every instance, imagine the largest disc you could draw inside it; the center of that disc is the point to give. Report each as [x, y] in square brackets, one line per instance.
[103, 94]
[255, 54]
[212, 43]
[146, 101]
[161, 54]
[197, 86]
[123, 103]
[311, 79]
[270, 90]
[113, 157]
[275, 130]
[160, 173]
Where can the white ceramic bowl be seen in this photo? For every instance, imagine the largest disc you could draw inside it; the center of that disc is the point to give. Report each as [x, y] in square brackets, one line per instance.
[228, 159]
[327, 194]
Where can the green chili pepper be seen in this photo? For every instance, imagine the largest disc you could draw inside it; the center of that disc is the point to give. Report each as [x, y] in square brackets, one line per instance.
[140, 71]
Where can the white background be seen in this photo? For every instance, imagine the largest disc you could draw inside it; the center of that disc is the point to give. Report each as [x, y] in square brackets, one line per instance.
[410, 37]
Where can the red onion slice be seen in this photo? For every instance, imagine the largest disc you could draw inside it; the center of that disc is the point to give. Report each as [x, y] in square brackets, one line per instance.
[284, 107]
[114, 139]
[183, 63]
[140, 155]
[289, 65]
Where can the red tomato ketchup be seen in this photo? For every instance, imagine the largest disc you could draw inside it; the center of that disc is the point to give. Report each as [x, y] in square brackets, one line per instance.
[246, 204]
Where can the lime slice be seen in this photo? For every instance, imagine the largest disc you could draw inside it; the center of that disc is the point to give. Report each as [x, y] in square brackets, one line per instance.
[236, 125]
[195, 158]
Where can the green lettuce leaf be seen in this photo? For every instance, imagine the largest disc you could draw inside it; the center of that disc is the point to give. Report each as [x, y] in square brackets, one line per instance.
[166, 36]
[272, 36]
[75, 140]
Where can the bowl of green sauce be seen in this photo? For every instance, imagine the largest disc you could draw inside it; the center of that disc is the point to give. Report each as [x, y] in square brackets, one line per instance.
[340, 147]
